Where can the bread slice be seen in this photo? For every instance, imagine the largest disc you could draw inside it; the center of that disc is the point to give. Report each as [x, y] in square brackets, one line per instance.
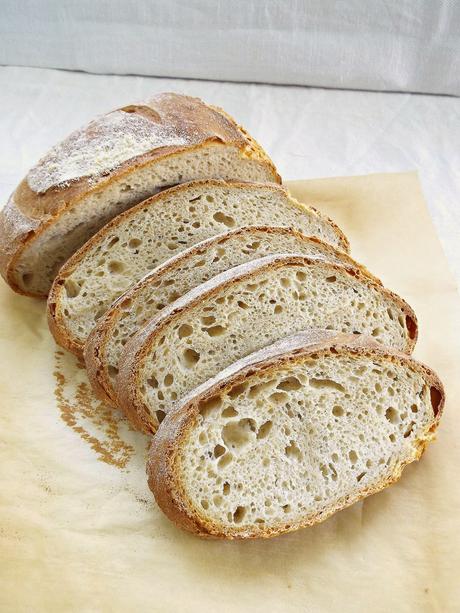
[288, 436]
[140, 239]
[179, 275]
[116, 161]
[242, 310]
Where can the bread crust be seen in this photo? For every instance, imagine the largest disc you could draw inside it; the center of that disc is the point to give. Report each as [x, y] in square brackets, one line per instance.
[163, 477]
[56, 317]
[128, 379]
[28, 213]
[95, 347]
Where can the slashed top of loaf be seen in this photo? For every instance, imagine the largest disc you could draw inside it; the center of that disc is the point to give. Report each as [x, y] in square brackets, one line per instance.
[167, 120]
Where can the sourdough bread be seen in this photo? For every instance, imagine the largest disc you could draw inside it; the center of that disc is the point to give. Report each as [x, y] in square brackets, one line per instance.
[176, 277]
[140, 239]
[288, 436]
[242, 310]
[116, 161]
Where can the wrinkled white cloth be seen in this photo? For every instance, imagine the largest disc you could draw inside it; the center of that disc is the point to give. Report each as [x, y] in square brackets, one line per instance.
[308, 132]
[399, 45]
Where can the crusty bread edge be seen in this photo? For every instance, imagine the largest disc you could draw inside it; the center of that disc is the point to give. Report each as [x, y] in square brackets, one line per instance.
[55, 315]
[163, 477]
[137, 348]
[95, 346]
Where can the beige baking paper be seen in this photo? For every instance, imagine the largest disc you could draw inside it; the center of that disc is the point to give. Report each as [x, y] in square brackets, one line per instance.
[81, 532]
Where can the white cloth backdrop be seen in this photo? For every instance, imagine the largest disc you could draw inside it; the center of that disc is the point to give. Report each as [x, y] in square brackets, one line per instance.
[398, 45]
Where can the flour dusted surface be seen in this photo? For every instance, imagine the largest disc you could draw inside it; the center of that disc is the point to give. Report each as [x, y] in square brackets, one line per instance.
[102, 146]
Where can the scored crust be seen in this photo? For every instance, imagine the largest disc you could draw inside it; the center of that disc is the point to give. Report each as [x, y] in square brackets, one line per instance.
[56, 317]
[163, 478]
[95, 346]
[138, 347]
[28, 213]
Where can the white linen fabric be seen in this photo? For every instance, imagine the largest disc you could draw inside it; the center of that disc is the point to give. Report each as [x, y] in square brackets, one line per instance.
[397, 45]
[308, 132]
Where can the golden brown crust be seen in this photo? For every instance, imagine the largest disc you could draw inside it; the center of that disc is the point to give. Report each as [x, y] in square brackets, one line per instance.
[139, 345]
[56, 316]
[163, 477]
[95, 346]
[28, 213]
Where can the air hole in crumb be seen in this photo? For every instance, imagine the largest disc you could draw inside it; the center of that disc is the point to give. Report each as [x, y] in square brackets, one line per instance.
[208, 320]
[72, 288]
[168, 380]
[264, 430]
[242, 305]
[224, 460]
[226, 488]
[300, 276]
[210, 405]
[237, 390]
[229, 412]
[184, 330]
[152, 382]
[278, 309]
[113, 242]
[190, 357]
[116, 267]
[360, 476]
[237, 434]
[133, 243]
[411, 327]
[353, 456]
[160, 415]
[409, 429]
[225, 219]
[216, 331]
[414, 408]
[238, 514]
[325, 384]
[337, 411]
[331, 279]
[205, 504]
[292, 451]
[435, 397]
[286, 508]
[219, 450]
[289, 384]
[392, 415]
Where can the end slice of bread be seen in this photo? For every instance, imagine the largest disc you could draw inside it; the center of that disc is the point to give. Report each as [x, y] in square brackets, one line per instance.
[176, 277]
[106, 167]
[242, 310]
[288, 436]
[140, 239]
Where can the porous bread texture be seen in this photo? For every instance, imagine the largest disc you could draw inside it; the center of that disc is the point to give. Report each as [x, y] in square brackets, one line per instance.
[37, 265]
[284, 443]
[153, 231]
[176, 277]
[245, 309]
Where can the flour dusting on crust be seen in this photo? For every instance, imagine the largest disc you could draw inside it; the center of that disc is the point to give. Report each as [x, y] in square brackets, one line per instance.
[100, 147]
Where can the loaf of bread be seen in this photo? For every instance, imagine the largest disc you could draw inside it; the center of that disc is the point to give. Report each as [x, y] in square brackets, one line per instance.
[176, 277]
[290, 435]
[116, 161]
[242, 310]
[140, 239]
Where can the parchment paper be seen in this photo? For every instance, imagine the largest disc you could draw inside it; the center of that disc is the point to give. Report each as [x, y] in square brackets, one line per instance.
[80, 531]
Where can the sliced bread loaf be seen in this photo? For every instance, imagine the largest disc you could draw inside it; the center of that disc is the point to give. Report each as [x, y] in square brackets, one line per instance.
[140, 239]
[242, 310]
[288, 436]
[177, 276]
[119, 159]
